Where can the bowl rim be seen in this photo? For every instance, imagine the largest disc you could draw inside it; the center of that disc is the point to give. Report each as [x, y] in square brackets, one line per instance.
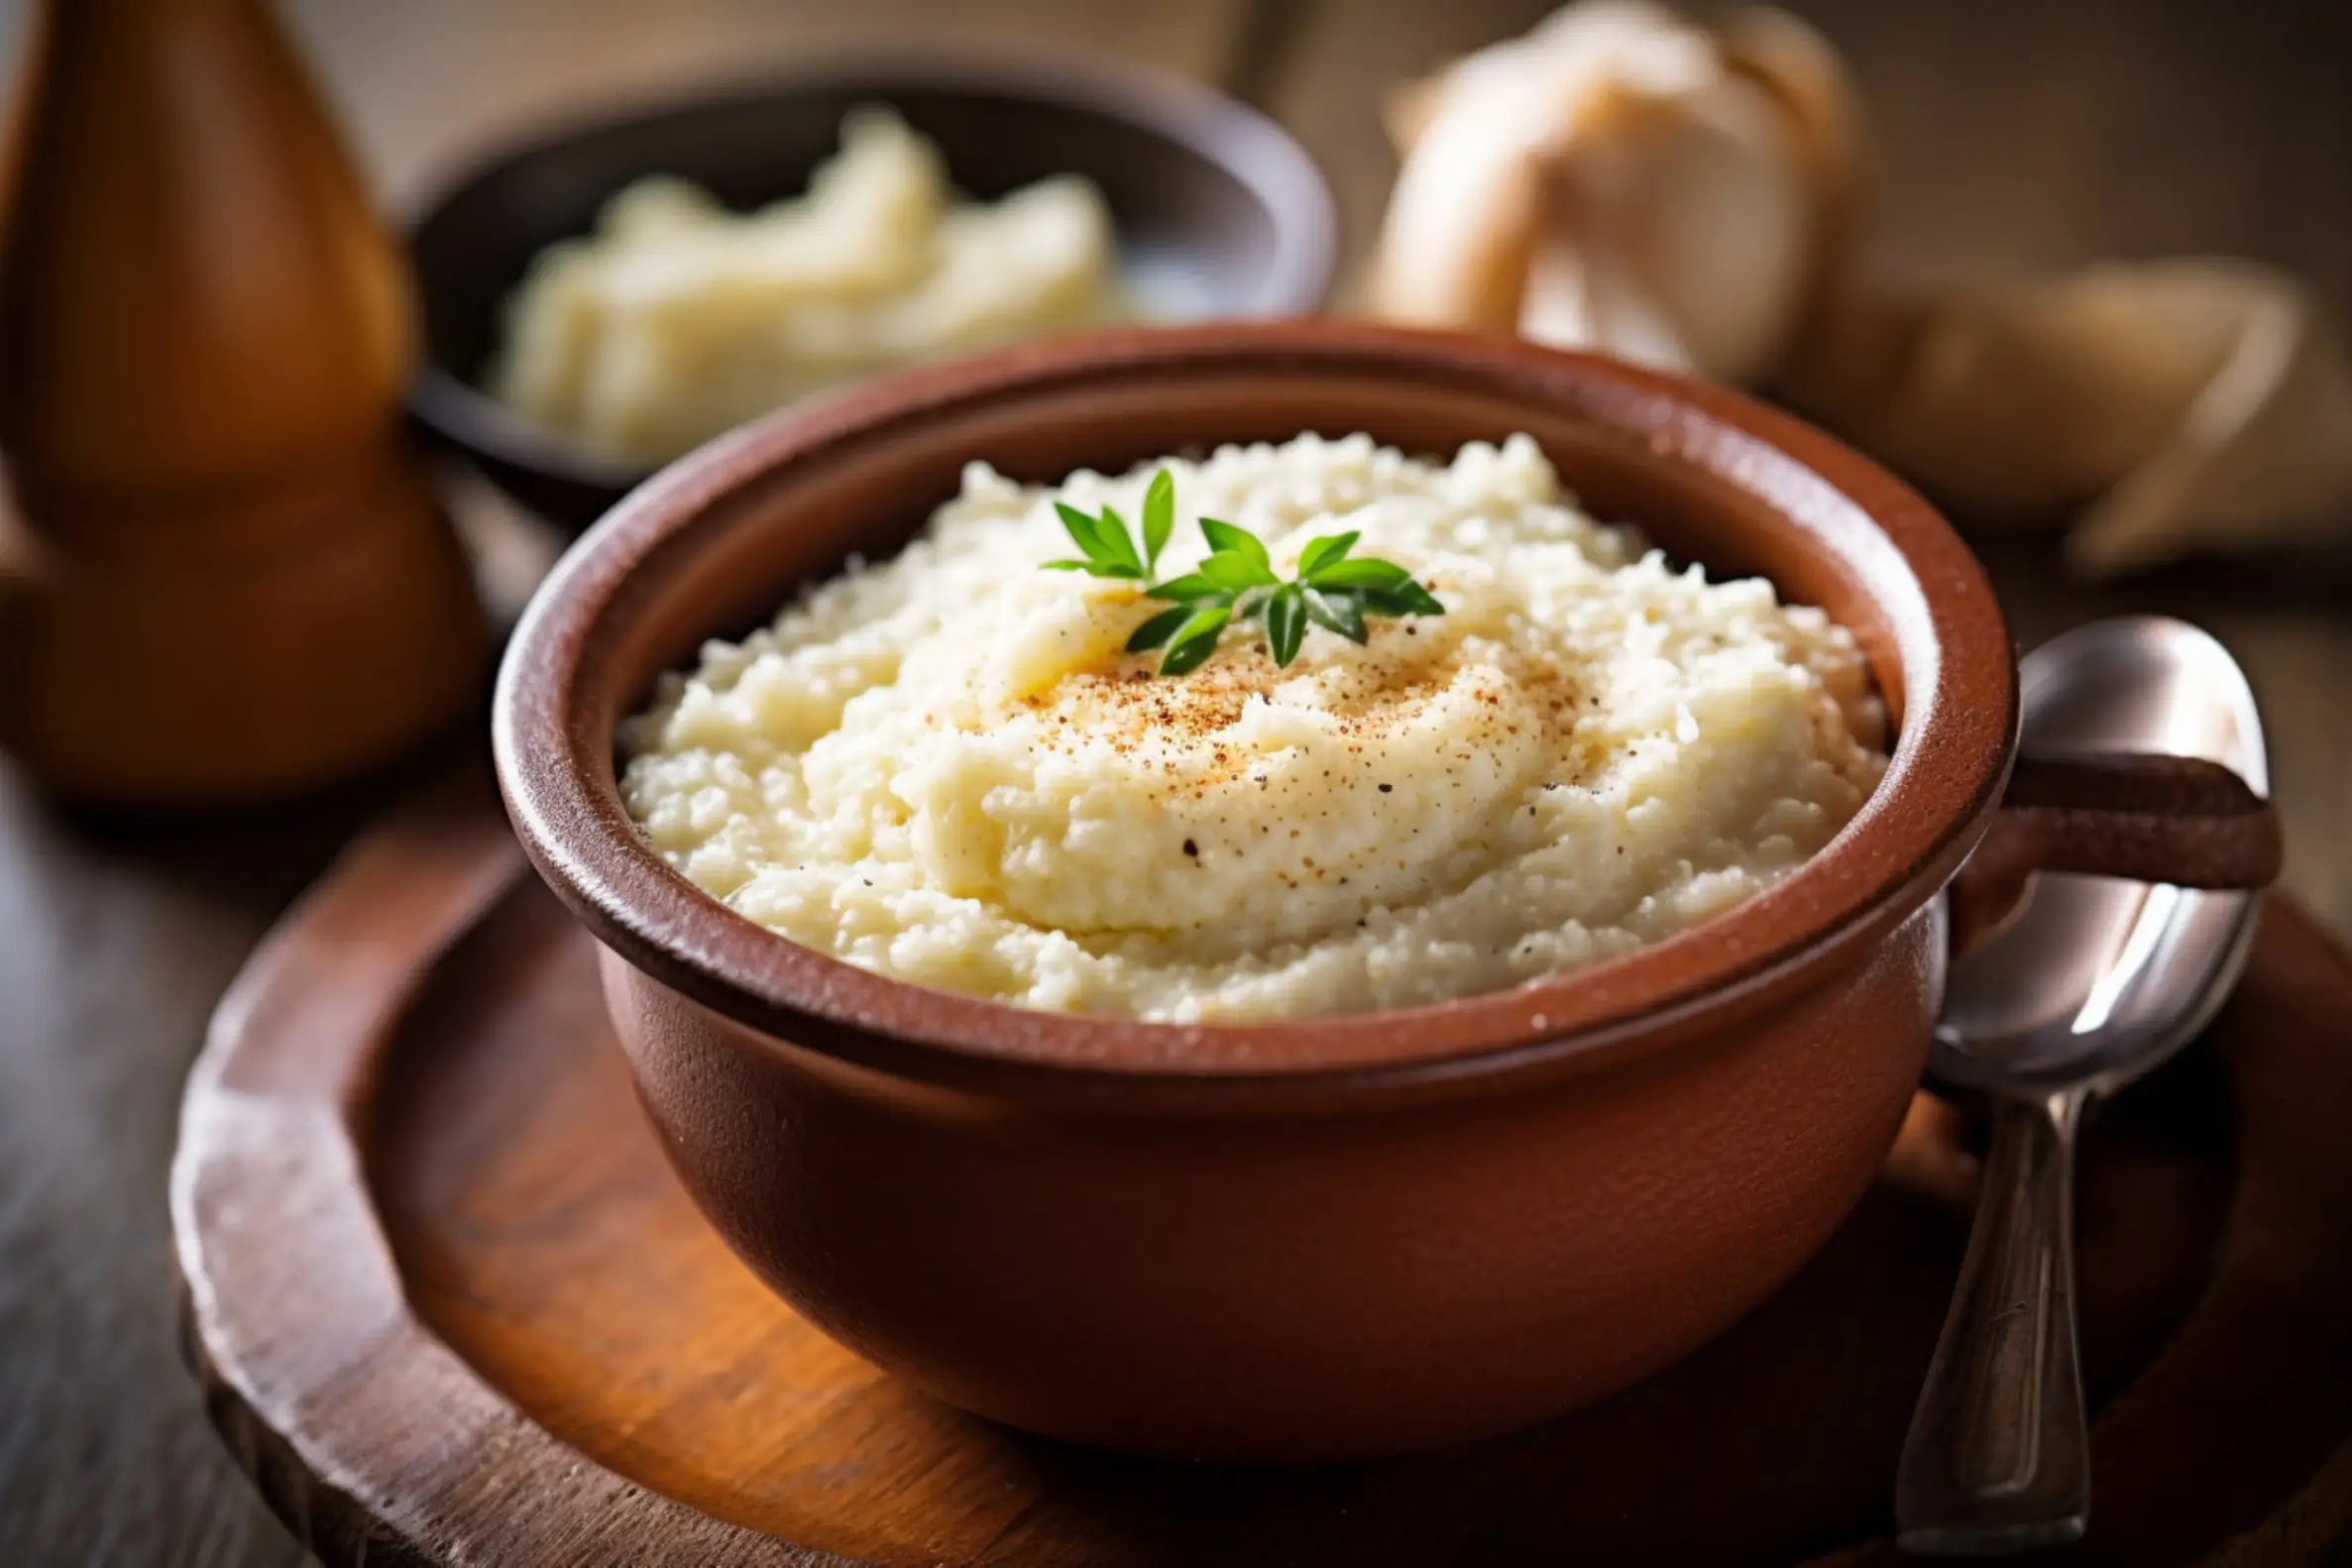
[1248, 144]
[1949, 764]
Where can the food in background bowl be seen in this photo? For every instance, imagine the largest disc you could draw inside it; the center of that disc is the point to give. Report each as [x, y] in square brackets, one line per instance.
[961, 770]
[677, 319]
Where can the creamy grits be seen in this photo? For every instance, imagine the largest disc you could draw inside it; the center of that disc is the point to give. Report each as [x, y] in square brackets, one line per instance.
[944, 767]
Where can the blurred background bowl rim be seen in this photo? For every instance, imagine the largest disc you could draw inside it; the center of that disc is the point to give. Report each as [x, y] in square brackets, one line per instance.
[1246, 143]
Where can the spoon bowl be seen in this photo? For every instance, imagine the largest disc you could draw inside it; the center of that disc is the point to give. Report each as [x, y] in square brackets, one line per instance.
[2094, 981]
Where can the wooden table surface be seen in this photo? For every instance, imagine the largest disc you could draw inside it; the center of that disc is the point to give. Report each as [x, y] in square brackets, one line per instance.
[2010, 136]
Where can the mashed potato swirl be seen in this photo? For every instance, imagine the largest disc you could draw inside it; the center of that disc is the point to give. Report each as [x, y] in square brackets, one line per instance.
[943, 766]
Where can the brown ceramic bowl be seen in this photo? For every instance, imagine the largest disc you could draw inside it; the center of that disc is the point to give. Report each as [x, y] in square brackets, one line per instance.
[1338, 1237]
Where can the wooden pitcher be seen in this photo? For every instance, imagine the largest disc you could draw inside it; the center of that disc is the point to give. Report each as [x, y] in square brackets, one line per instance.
[227, 580]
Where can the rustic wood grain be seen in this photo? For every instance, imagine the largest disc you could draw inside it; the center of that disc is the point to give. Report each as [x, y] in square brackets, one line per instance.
[114, 942]
[452, 1303]
[2011, 135]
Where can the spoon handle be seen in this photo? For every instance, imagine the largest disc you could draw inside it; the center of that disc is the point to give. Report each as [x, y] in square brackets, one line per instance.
[1999, 1457]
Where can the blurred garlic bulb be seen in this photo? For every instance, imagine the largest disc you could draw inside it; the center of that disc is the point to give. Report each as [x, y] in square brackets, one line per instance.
[1686, 195]
[1619, 179]
[2169, 408]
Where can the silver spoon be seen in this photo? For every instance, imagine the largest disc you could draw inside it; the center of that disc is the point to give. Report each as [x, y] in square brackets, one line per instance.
[2091, 984]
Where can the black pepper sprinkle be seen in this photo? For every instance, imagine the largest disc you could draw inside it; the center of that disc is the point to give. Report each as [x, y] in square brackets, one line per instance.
[1386, 788]
[1192, 849]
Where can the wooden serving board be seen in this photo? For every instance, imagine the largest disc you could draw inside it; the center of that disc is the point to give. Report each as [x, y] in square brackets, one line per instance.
[451, 1308]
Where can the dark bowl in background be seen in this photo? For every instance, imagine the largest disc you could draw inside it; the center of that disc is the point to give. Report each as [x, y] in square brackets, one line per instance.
[1219, 213]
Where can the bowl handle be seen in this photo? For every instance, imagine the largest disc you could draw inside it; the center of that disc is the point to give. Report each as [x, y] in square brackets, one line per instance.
[2148, 816]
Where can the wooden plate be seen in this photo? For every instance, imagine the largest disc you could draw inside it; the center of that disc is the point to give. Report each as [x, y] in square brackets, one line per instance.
[451, 1308]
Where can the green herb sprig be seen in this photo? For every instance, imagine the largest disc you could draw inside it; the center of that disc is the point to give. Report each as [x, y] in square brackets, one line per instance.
[1236, 582]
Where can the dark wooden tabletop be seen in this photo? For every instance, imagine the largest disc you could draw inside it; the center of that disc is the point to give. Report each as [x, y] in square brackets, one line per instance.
[2010, 136]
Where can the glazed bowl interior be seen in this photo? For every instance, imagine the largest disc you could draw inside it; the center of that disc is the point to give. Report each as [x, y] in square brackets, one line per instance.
[1219, 213]
[716, 545]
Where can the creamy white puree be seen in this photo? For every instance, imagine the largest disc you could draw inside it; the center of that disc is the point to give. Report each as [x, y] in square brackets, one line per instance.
[677, 319]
